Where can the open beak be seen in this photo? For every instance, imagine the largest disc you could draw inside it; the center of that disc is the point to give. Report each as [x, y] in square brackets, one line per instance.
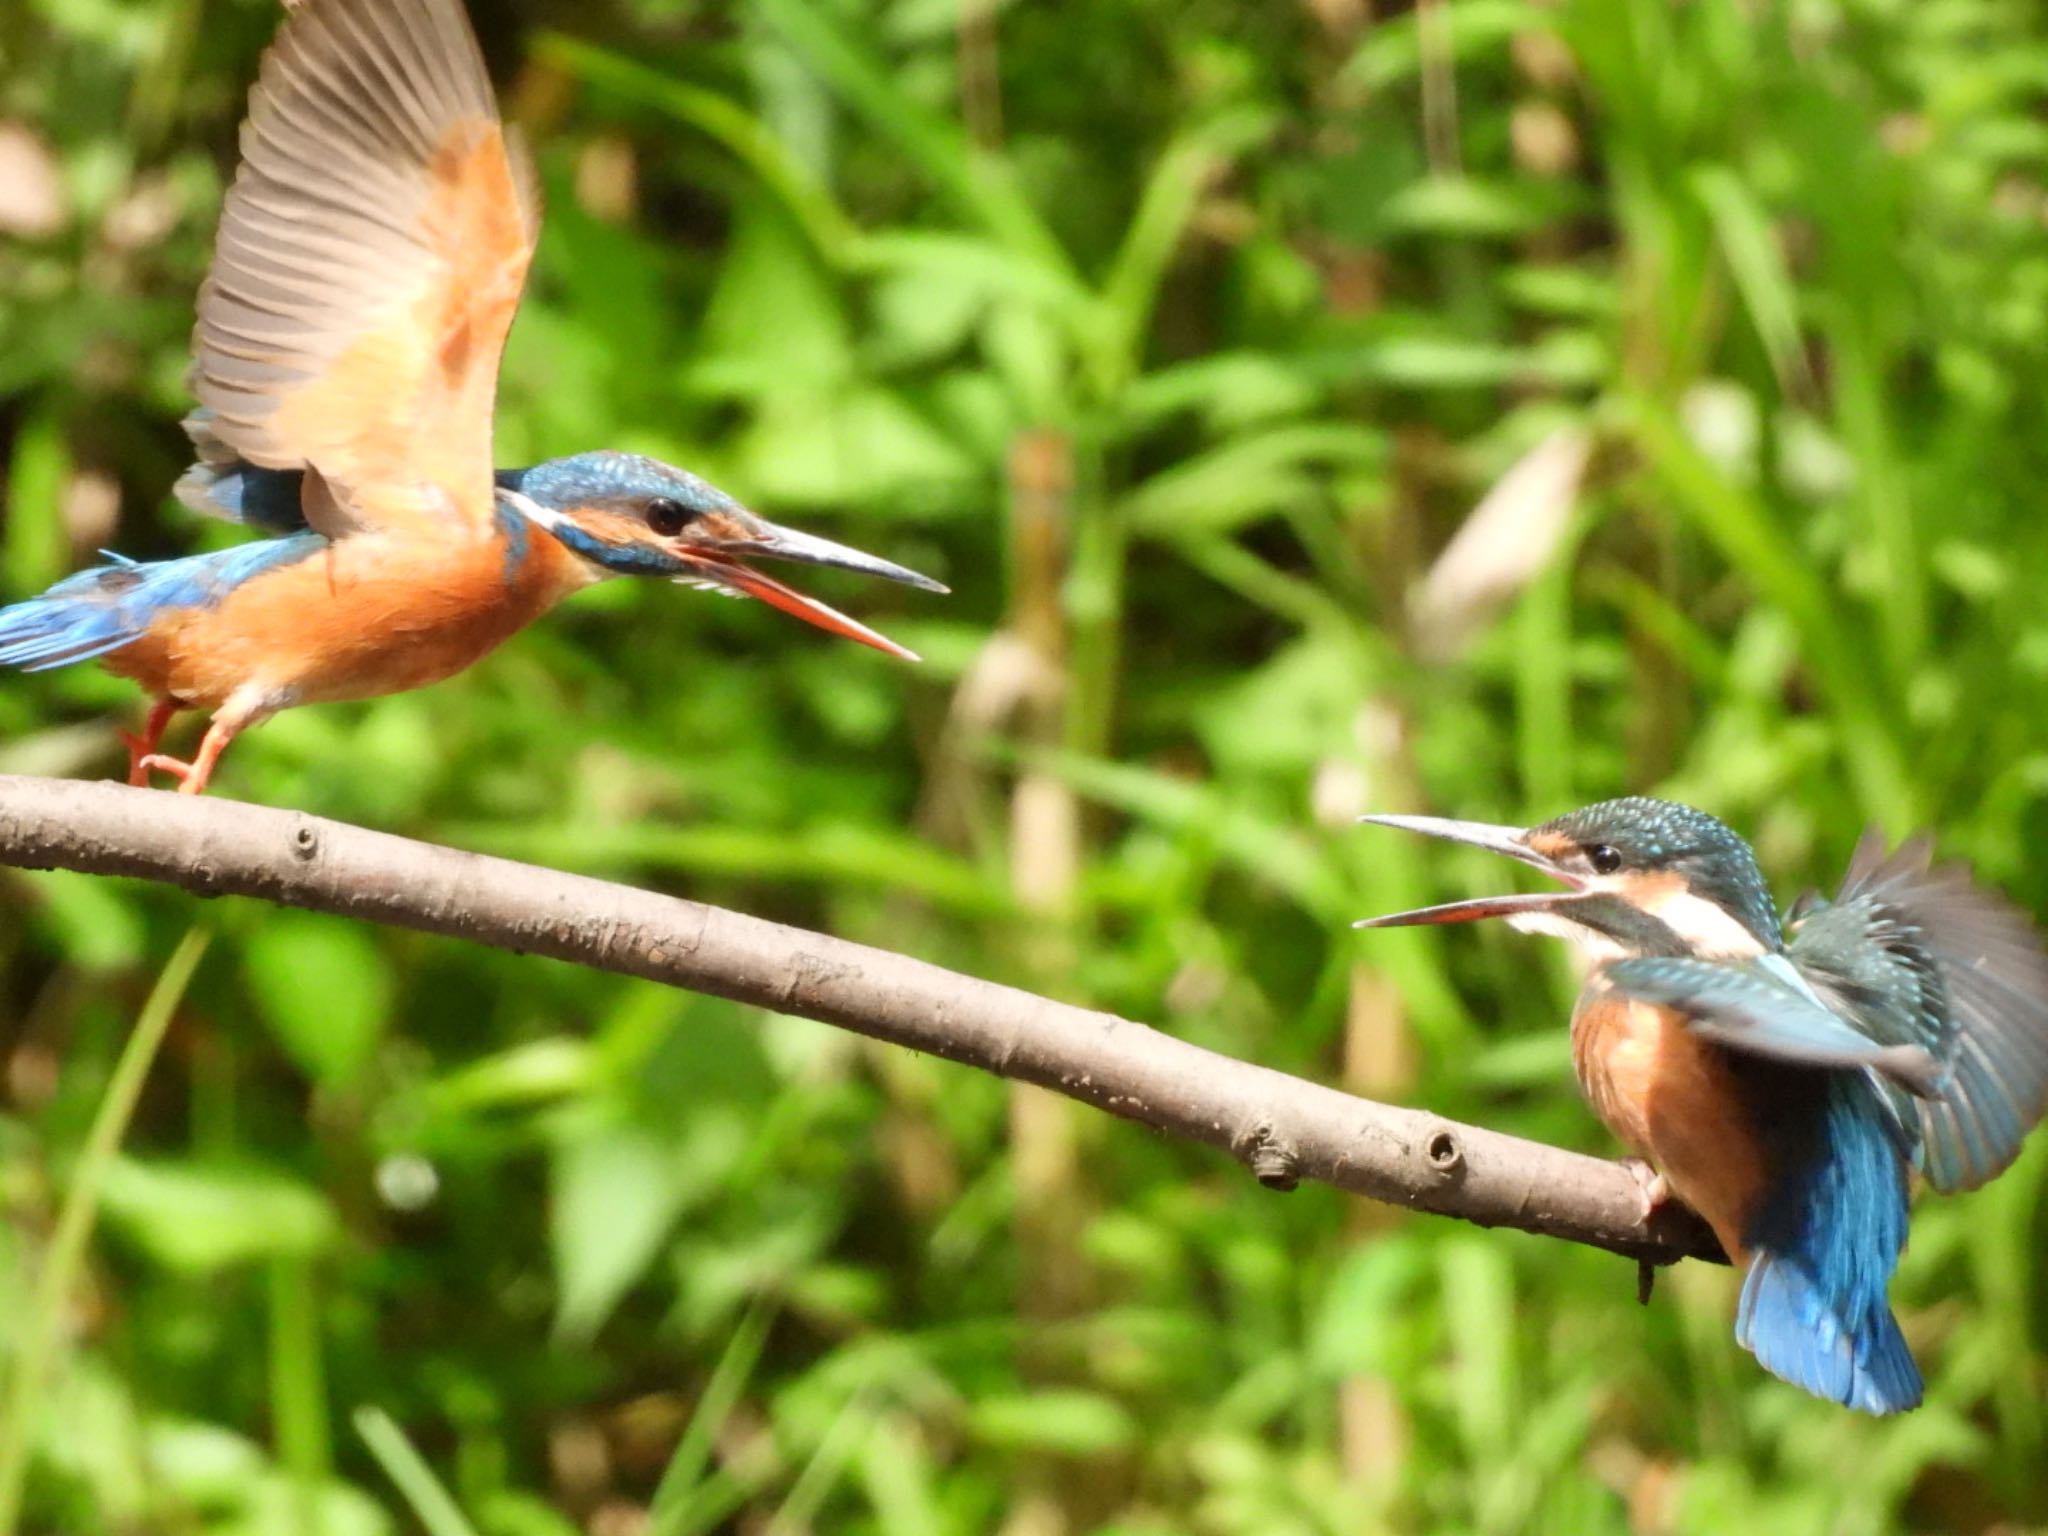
[1512, 841]
[720, 564]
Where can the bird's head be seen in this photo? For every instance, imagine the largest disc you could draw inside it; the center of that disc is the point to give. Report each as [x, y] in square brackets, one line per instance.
[1643, 877]
[626, 515]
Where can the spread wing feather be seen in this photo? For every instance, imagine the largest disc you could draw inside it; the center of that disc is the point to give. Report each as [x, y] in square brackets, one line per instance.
[1762, 1007]
[370, 258]
[1920, 954]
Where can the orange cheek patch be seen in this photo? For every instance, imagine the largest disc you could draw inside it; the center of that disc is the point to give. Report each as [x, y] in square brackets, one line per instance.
[1650, 888]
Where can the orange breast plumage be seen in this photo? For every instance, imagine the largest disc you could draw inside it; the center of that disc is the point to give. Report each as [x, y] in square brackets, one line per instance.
[364, 616]
[1673, 1098]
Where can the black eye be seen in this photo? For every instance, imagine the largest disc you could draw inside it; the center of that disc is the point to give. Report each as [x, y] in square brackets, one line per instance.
[667, 517]
[1604, 858]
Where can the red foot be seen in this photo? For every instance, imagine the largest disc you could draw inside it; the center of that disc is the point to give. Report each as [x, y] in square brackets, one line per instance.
[142, 747]
[191, 777]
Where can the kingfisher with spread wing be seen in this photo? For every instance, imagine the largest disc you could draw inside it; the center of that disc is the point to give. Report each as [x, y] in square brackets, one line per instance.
[1783, 1088]
[371, 253]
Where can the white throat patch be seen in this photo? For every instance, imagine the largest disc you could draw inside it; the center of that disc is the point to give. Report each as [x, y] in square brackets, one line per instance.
[1711, 930]
[1596, 946]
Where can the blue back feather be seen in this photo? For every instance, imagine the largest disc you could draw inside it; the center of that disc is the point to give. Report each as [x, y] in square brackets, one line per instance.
[109, 606]
[1827, 1238]
[593, 479]
[242, 493]
[222, 484]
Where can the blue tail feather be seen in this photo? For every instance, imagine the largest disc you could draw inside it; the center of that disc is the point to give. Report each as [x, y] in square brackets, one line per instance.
[108, 606]
[1790, 1324]
[1814, 1307]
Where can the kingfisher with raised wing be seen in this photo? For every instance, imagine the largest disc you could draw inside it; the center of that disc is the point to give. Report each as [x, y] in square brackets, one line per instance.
[1785, 1086]
[371, 253]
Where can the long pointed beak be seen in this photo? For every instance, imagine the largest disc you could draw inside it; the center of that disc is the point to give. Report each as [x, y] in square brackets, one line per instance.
[1511, 841]
[1479, 834]
[808, 549]
[722, 565]
[1478, 907]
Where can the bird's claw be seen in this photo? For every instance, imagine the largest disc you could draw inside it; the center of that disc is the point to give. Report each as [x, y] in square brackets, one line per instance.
[191, 781]
[1655, 1187]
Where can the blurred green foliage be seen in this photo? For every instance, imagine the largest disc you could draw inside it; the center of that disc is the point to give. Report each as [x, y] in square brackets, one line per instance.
[1180, 338]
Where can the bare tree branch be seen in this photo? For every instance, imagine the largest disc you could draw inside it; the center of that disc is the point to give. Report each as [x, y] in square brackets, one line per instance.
[1282, 1127]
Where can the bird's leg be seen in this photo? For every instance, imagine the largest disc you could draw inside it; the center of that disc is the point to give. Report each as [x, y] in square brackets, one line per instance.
[1656, 1188]
[142, 746]
[192, 776]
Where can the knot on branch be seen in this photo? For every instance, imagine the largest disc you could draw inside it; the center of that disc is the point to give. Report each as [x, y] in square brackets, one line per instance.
[1273, 1159]
[1443, 1152]
[305, 842]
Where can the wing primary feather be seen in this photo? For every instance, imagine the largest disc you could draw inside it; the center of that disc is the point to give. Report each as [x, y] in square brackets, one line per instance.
[1921, 951]
[311, 85]
[362, 53]
[1746, 1007]
[379, 208]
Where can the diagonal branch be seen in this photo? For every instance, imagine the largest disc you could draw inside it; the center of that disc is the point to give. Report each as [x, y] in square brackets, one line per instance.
[1282, 1127]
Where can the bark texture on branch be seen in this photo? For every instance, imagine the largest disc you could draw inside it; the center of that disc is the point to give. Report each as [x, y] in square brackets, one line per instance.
[1283, 1128]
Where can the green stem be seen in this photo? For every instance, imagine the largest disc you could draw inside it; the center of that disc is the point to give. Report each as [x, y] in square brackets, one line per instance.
[74, 1223]
[668, 1512]
[298, 1385]
[431, 1503]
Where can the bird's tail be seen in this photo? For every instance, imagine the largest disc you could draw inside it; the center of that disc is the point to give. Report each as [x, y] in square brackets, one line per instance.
[108, 606]
[81, 617]
[1814, 1309]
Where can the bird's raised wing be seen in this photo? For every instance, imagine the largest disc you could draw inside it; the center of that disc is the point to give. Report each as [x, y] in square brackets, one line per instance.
[1761, 1007]
[1922, 955]
[370, 257]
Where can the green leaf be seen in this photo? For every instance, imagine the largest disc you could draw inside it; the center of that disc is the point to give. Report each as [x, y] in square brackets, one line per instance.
[1250, 477]
[981, 184]
[324, 988]
[90, 921]
[1394, 49]
[1353, 1329]
[740, 131]
[1751, 248]
[202, 1218]
[536, 1072]
[32, 541]
[1464, 206]
[616, 1192]
[1065, 1422]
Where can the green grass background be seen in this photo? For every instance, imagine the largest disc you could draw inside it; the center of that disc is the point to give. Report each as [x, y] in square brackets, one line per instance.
[1180, 336]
